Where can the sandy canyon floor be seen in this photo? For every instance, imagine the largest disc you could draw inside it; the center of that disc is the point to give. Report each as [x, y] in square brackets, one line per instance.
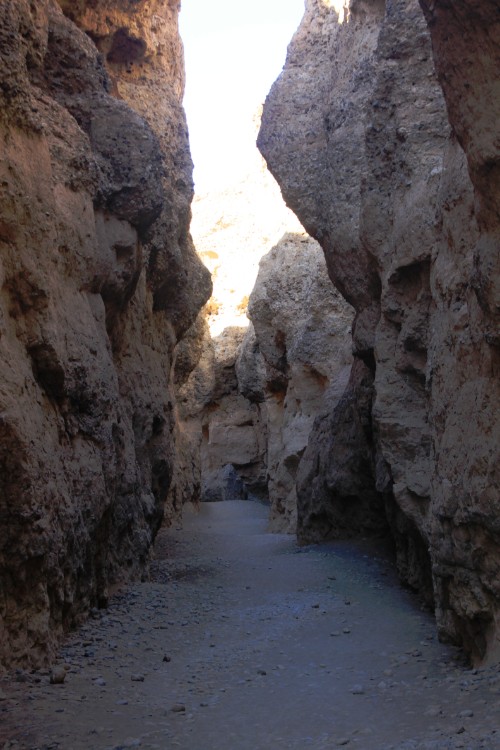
[244, 641]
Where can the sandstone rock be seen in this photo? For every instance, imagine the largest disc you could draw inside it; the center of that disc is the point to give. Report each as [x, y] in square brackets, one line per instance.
[357, 133]
[238, 385]
[144, 61]
[258, 391]
[465, 342]
[98, 280]
[302, 327]
[192, 358]
[219, 435]
[251, 369]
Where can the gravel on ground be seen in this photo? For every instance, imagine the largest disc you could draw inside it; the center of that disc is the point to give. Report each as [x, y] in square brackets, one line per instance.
[242, 640]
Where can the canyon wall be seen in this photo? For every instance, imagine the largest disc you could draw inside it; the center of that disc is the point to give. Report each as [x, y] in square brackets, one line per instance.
[248, 407]
[399, 184]
[301, 337]
[98, 281]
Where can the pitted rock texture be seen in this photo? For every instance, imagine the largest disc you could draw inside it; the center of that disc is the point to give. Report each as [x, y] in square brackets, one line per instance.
[94, 238]
[302, 330]
[143, 53]
[400, 188]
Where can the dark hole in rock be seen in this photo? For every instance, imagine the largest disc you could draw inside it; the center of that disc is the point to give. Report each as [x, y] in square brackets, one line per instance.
[158, 425]
[47, 369]
[125, 49]
[124, 252]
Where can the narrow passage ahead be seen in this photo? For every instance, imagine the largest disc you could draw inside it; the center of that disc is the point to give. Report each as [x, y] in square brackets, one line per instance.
[244, 641]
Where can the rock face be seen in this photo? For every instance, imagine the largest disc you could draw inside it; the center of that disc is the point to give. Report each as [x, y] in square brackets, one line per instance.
[98, 281]
[250, 434]
[401, 190]
[466, 344]
[250, 403]
[226, 433]
[302, 329]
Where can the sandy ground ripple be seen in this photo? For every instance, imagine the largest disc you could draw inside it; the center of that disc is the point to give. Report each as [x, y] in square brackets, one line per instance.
[244, 641]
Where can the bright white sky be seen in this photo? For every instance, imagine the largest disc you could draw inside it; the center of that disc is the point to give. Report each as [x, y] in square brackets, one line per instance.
[234, 50]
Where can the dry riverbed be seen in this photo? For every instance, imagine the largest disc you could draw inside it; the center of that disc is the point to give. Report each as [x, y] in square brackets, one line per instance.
[244, 641]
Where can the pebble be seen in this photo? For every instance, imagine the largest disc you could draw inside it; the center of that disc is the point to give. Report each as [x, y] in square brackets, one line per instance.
[167, 658]
[178, 708]
[57, 675]
[137, 677]
[357, 690]
[100, 682]
[343, 741]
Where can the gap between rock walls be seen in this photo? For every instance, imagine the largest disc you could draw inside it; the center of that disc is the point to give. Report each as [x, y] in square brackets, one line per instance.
[130, 385]
[345, 409]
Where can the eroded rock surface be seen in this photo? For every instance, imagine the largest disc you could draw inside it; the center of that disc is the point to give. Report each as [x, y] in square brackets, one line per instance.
[302, 329]
[250, 403]
[255, 394]
[98, 280]
[400, 188]
[231, 429]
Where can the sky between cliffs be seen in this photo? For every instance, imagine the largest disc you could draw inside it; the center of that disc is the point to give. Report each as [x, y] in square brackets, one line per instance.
[234, 50]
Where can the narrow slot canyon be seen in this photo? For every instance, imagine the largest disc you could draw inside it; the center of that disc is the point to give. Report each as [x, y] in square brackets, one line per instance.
[249, 421]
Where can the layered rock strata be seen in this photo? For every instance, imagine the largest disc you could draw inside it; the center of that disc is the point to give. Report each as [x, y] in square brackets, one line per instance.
[400, 188]
[98, 281]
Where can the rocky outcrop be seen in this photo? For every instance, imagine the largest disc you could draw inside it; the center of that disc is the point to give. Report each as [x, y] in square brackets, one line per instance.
[98, 281]
[302, 330]
[465, 342]
[234, 446]
[399, 187]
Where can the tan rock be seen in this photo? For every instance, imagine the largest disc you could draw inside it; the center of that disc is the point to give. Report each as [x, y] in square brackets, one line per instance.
[302, 327]
[90, 219]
